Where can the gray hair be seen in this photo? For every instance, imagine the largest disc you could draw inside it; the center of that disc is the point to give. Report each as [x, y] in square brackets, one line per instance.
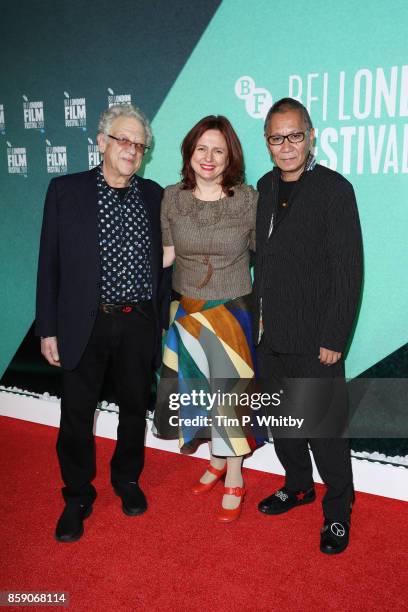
[124, 110]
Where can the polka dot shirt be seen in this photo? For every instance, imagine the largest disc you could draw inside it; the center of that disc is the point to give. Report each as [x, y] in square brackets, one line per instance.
[124, 244]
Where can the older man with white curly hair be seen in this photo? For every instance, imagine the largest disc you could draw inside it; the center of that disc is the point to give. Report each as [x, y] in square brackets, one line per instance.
[101, 301]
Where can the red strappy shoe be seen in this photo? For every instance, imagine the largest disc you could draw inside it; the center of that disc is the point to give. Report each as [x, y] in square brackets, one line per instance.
[201, 487]
[227, 515]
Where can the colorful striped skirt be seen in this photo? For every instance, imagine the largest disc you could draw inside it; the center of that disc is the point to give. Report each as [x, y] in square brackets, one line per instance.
[208, 355]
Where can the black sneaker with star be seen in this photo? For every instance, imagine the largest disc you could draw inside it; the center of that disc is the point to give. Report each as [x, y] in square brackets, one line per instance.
[283, 500]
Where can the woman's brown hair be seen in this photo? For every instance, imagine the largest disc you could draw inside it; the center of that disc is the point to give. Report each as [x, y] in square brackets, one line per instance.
[234, 172]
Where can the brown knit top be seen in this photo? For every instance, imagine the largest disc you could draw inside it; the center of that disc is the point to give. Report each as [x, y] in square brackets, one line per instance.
[211, 240]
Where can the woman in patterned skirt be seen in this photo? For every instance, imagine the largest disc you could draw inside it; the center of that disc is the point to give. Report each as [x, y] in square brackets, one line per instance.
[208, 225]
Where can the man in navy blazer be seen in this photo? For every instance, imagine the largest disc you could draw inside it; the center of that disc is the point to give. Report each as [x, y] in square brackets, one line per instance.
[102, 301]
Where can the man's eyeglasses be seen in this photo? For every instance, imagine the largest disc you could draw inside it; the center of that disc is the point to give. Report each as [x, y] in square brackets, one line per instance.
[294, 138]
[126, 144]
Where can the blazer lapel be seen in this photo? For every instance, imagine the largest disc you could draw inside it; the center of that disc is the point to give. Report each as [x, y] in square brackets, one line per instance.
[87, 202]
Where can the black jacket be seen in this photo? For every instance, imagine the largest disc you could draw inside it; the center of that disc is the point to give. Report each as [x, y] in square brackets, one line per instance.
[69, 272]
[309, 272]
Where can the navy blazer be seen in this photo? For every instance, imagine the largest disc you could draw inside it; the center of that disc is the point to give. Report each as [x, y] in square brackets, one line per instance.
[69, 269]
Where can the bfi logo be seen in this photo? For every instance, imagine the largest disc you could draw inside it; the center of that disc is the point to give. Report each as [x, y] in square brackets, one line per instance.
[257, 99]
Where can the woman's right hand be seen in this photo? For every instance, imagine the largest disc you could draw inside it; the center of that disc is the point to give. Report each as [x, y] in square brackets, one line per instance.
[169, 255]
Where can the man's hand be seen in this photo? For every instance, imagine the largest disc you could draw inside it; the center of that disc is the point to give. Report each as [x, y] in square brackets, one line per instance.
[49, 348]
[328, 357]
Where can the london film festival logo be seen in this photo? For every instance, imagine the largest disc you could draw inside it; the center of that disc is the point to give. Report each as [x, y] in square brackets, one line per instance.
[74, 111]
[94, 156]
[56, 158]
[360, 114]
[33, 114]
[16, 160]
[118, 98]
[2, 123]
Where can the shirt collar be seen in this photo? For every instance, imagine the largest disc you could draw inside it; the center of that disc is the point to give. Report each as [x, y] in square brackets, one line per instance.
[310, 163]
[132, 183]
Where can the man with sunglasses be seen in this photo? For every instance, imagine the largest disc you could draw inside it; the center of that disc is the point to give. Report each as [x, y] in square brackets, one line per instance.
[102, 301]
[308, 276]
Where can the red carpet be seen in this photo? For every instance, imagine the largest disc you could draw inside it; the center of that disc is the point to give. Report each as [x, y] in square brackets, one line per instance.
[176, 557]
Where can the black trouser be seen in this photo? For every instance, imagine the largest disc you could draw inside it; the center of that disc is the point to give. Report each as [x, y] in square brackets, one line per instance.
[127, 342]
[332, 455]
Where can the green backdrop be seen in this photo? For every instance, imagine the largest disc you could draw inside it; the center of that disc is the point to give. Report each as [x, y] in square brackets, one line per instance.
[63, 63]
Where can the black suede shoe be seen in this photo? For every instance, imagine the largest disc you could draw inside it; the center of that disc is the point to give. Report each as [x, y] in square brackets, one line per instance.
[70, 527]
[334, 537]
[283, 500]
[133, 499]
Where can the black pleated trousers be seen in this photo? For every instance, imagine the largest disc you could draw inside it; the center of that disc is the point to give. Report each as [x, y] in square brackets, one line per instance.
[125, 342]
[303, 377]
